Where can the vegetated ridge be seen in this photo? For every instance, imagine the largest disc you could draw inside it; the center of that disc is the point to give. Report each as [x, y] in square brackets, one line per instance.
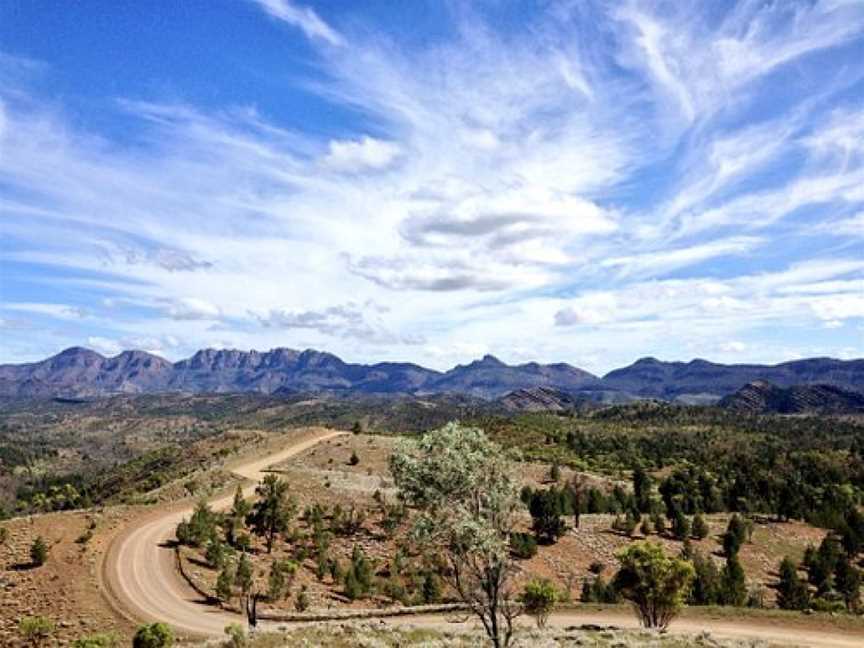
[761, 397]
[82, 373]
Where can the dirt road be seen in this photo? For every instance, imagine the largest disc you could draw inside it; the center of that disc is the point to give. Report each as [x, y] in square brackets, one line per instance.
[776, 631]
[139, 572]
[141, 581]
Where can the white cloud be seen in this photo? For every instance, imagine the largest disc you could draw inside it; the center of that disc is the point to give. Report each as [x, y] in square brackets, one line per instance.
[303, 18]
[514, 182]
[367, 153]
[193, 308]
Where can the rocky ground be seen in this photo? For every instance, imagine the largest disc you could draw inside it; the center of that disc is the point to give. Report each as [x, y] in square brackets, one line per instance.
[65, 589]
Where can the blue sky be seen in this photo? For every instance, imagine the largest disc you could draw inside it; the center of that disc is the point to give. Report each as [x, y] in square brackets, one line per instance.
[432, 181]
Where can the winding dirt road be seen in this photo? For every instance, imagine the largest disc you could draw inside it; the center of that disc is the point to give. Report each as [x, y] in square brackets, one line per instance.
[139, 573]
[141, 581]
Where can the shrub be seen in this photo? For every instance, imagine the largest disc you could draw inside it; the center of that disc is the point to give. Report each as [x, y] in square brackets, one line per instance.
[4, 536]
[236, 636]
[39, 552]
[355, 459]
[733, 585]
[216, 554]
[153, 635]
[431, 588]
[243, 574]
[645, 528]
[301, 604]
[523, 545]
[102, 640]
[225, 583]
[706, 583]
[35, 629]
[700, 527]
[680, 525]
[658, 521]
[539, 598]
[792, 592]
[281, 573]
[655, 583]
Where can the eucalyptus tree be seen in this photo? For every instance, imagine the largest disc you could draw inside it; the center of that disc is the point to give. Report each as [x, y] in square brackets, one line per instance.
[462, 485]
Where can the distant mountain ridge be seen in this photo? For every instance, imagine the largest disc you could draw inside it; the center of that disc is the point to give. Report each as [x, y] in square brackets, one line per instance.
[82, 373]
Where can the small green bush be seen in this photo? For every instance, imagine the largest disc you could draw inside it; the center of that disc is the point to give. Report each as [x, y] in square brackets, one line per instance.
[539, 598]
[523, 545]
[35, 629]
[101, 640]
[153, 635]
[39, 551]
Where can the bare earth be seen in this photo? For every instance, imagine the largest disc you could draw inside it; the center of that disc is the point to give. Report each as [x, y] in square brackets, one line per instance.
[141, 582]
[139, 573]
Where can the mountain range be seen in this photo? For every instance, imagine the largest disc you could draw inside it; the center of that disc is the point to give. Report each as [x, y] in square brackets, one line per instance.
[82, 373]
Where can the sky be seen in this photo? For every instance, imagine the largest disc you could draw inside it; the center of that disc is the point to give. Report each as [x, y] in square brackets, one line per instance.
[584, 182]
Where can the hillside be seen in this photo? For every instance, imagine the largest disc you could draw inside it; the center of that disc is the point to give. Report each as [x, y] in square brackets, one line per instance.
[761, 397]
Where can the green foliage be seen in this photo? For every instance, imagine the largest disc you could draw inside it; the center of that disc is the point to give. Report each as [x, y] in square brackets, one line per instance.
[234, 520]
[301, 603]
[539, 598]
[792, 592]
[39, 551]
[555, 472]
[680, 524]
[35, 630]
[658, 521]
[201, 527]
[733, 583]
[645, 528]
[706, 582]
[273, 511]
[225, 582]
[597, 590]
[642, 487]
[463, 487]
[236, 636]
[546, 508]
[847, 581]
[100, 640]
[359, 575]
[430, 587]
[822, 565]
[217, 553]
[153, 635]
[699, 527]
[655, 583]
[281, 574]
[4, 536]
[243, 575]
[523, 545]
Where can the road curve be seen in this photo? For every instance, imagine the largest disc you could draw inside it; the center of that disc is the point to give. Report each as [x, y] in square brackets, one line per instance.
[141, 581]
[139, 573]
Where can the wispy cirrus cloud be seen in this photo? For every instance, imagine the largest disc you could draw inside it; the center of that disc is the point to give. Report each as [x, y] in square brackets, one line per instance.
[303, 18]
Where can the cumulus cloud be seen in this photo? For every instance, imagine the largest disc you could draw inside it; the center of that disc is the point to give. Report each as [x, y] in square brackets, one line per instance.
[365, 154]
